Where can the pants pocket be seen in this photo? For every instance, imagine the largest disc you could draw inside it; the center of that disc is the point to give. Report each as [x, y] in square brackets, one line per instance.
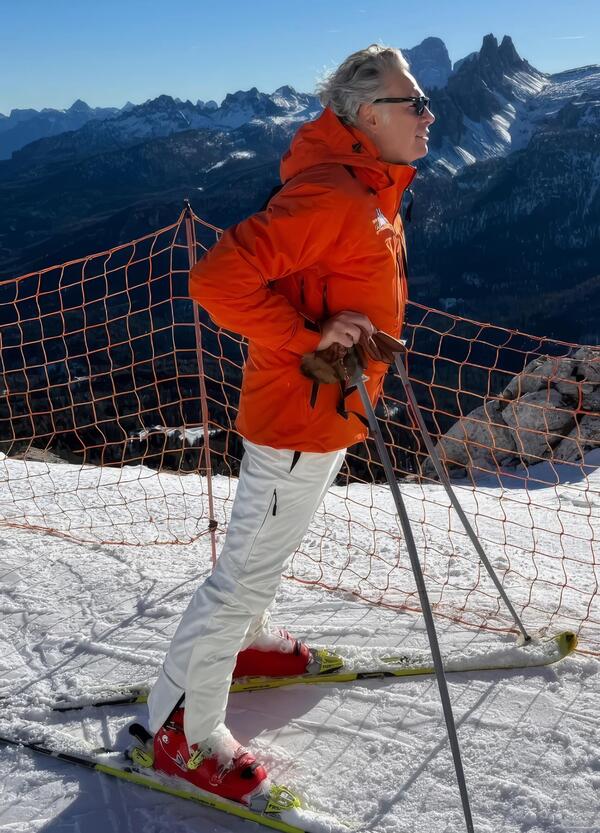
[271, 512]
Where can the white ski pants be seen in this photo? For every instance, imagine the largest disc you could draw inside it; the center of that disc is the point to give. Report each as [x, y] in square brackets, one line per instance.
[272, 510]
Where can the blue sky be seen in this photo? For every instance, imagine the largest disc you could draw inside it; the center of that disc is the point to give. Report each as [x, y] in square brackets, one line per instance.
[108, 52]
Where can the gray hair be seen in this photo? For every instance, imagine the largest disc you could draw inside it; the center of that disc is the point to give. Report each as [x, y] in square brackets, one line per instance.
[358, 79]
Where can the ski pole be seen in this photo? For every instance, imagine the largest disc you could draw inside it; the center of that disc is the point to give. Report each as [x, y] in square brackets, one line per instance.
[445, 480]
[423, 597]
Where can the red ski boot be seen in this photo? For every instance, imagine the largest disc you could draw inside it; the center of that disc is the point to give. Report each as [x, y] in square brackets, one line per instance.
[219, 765]
[278, 654]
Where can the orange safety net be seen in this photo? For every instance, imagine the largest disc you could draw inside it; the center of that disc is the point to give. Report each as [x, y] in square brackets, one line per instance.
[118, 398]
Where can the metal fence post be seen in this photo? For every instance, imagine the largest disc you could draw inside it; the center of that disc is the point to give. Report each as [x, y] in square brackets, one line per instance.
[190, 234]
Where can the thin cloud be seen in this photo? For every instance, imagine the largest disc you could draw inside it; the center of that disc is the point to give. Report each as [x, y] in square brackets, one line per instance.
[571, 37]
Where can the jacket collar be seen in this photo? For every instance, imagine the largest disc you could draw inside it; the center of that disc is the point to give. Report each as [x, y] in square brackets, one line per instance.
[327, 140]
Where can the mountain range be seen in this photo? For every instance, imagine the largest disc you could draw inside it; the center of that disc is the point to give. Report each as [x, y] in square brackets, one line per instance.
[506, 220]
[23, 126]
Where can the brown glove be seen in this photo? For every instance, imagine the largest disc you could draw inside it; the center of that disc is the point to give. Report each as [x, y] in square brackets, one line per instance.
[339, 364]
[380, 347]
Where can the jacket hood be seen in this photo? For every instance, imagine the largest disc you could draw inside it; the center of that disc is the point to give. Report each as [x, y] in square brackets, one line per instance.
[327, 140]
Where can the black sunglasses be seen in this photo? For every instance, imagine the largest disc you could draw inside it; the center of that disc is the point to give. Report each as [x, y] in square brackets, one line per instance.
[420, 102]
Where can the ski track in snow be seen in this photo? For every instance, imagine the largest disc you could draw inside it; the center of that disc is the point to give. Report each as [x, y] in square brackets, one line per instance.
[372, 753]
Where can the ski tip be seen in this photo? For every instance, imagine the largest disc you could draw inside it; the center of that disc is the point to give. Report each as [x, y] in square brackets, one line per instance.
[567, 642]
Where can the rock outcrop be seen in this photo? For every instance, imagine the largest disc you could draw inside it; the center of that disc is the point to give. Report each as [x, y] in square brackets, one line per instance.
[549, 411]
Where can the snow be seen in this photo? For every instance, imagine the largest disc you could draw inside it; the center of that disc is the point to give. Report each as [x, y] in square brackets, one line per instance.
[537, 99]
[236, 154]
[182, 433]
[374, 754]
[216, 165]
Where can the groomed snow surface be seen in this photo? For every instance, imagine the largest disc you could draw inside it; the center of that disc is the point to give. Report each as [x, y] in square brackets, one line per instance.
[374, 753]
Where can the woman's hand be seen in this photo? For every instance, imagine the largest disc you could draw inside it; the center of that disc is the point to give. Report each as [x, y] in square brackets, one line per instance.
[344, 328]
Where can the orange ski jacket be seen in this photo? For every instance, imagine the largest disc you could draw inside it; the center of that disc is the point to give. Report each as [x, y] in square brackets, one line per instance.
[330, 240]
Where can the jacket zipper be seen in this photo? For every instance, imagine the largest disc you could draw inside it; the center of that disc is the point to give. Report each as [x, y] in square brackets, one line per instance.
[404, 269]
[408, 184]
[402, 273]
[325, 306]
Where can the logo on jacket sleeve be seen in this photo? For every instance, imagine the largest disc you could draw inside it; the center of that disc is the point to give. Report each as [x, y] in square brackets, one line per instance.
[381, 222]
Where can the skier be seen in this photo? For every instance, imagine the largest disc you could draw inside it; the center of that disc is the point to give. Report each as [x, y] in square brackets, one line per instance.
[322, 266]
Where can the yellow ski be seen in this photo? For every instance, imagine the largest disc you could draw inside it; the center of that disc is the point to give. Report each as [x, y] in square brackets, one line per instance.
[370, 664]
[282, 809]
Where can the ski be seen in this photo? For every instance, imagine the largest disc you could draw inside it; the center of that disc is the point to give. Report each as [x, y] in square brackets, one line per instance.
[355, 664]
[276, 807]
